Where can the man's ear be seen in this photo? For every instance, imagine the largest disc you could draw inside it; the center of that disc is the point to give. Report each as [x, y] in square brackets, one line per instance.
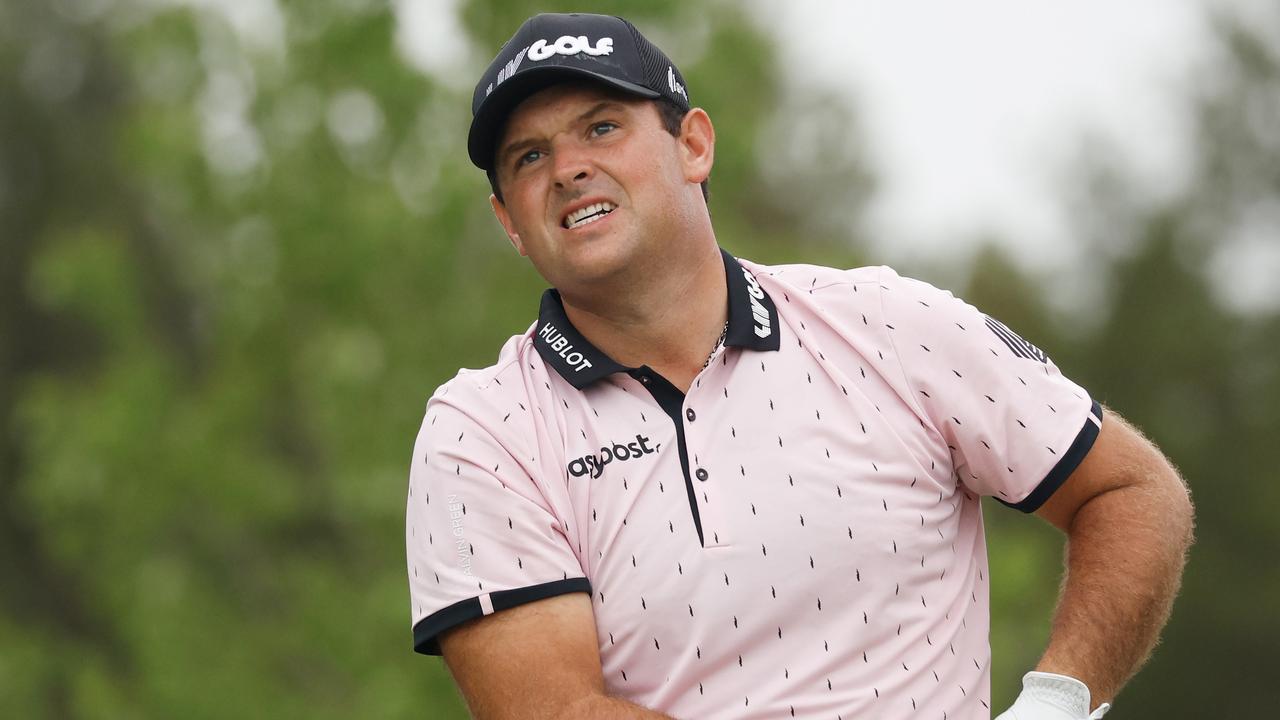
[500, 210]
[697, 145]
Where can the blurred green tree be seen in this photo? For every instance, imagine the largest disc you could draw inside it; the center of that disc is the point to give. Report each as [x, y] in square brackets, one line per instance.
[241, 246]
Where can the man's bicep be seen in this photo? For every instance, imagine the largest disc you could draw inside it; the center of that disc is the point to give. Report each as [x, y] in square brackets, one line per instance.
[530, 661]
[482, 534]
[1120, 457]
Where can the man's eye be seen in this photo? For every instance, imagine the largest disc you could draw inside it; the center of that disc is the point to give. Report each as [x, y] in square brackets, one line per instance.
[602, 127]
[529, 157]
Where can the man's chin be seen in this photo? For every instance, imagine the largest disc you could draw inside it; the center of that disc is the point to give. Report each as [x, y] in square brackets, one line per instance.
[597, 265]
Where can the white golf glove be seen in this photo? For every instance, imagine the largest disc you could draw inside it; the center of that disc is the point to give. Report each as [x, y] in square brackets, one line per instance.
[1048, 696]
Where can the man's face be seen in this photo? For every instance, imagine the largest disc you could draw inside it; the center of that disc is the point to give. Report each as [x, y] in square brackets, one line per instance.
[592, 183]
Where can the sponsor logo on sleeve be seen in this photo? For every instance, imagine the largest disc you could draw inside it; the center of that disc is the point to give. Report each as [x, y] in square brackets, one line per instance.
[458, 510]
[593, 465]
[1014, 341]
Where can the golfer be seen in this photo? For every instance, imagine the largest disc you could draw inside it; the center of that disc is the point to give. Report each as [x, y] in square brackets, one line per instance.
[702, 487]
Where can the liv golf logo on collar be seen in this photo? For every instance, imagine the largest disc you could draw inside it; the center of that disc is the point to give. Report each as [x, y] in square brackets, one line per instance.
[569, 45]
[758, 311]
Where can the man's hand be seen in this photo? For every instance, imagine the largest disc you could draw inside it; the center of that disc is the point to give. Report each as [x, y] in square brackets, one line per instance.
[1048, 696]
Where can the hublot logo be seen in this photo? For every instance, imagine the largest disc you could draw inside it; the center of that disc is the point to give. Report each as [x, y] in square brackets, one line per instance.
[593, 465]
[562, 347]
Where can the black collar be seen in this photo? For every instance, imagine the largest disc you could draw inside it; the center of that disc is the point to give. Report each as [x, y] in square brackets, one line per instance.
[753, 323]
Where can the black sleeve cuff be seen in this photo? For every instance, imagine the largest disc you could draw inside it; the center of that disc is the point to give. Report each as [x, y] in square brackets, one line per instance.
[1060, 472]
[426, 632]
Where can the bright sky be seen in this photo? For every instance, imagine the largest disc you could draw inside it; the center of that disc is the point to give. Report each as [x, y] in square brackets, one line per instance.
[974, 110]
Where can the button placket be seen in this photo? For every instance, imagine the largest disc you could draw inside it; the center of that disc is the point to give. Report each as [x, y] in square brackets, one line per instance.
[671, 400]
[690, 416]
[711, 505]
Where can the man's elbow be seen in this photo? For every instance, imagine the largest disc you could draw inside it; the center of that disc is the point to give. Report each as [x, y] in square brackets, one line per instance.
[1166, 494]
[1182, 513]
[1172, 510]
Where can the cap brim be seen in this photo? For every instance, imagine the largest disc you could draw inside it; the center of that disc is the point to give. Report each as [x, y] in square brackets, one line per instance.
[498, 105]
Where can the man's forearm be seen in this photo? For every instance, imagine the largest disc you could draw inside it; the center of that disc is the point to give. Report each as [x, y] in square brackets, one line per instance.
[1125, 553]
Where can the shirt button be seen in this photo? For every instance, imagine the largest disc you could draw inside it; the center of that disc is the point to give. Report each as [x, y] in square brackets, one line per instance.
[701, 474]
[644, 379]
[689, 413]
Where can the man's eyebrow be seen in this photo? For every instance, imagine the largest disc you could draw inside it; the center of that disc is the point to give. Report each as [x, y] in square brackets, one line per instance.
[512, 147]
[606, 105]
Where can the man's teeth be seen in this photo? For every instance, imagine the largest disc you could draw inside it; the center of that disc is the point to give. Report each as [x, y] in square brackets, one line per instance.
[588, 214]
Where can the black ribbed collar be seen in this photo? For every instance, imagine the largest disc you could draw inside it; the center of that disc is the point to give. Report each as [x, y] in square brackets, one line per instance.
[753, 323]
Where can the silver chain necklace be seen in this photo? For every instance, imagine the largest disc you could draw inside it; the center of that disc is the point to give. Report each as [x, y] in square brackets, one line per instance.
[723, 333]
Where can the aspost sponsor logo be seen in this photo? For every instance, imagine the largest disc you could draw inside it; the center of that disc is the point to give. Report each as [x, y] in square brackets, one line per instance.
[593, 465]
[762, 327]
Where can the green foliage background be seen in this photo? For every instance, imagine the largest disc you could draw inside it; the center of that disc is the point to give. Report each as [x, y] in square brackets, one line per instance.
[231, 273]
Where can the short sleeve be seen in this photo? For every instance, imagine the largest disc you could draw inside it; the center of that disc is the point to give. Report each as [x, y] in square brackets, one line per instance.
[480, 534]
[1015, 426]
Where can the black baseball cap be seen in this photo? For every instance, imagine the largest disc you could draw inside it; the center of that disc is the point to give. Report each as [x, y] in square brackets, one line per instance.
[552, 47]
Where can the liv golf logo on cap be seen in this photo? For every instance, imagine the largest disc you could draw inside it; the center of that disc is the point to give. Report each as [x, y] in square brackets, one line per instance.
[569, 45]
[565, 45]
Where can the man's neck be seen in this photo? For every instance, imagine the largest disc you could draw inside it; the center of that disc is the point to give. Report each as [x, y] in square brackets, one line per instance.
[670, 321]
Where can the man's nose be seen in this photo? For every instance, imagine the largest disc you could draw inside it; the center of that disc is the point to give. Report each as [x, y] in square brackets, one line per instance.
[572, 164]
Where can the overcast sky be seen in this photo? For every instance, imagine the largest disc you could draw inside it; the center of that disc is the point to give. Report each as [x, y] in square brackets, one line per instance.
[974, 110]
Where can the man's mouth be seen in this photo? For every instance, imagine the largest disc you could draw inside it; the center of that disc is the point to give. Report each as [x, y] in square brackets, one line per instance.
[587, 215]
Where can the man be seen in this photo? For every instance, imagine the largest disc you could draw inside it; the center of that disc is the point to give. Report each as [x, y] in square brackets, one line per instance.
[702, 487]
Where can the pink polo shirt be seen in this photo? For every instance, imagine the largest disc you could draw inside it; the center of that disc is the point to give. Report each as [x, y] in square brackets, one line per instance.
[799, 535]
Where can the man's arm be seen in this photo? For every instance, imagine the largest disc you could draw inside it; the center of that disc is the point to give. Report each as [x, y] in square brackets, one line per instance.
[1129, 521]
[537, 660]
